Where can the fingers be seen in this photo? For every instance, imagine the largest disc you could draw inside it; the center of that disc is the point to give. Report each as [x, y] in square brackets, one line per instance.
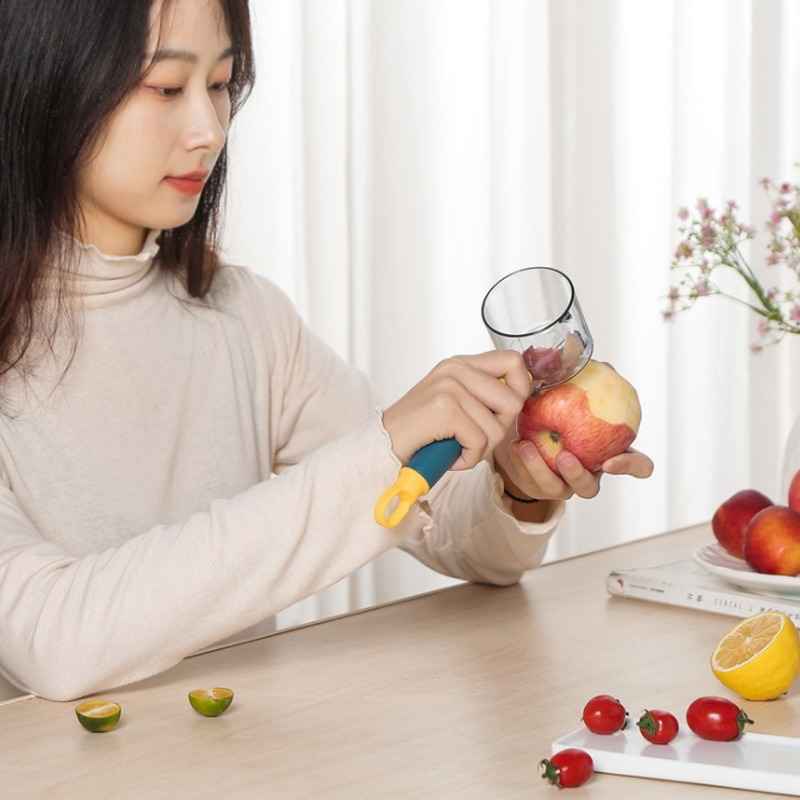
[531, 474]
[461, 398]
[490, 376]
[466, 418]
[485, 407]
[480, 391]
[632, 463]
[512, 370]
[585, 484]
[572, 477]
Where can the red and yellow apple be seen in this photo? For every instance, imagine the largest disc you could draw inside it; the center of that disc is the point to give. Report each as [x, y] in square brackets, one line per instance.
[731, 519]
[772, 541]
[594, 416]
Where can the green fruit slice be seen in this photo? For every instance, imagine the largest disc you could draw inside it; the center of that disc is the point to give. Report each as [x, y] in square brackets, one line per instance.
[98, 716]
[210, 702]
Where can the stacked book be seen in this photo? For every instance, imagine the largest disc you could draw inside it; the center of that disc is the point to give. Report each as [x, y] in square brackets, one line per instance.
[690, 584]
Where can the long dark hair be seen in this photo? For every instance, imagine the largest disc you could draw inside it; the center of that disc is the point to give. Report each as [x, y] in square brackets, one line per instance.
[65, 66]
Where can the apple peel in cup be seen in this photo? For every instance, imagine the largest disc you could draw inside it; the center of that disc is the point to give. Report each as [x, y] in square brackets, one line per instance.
[595, 416]
[551, 365]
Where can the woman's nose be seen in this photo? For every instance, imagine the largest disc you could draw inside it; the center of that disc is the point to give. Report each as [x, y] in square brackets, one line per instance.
[206, 129]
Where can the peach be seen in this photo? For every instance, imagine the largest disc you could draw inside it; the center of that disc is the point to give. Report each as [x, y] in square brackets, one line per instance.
[772, 541]
[731, 519]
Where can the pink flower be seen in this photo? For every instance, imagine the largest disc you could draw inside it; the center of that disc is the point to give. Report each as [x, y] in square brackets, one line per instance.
[708, 235]
[774, 221]
[706, 212]
[712, 241]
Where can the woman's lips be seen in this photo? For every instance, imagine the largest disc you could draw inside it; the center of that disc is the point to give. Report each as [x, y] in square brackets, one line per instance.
[191, 184]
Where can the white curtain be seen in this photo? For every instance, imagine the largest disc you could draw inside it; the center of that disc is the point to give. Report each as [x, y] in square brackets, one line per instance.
[399, 156]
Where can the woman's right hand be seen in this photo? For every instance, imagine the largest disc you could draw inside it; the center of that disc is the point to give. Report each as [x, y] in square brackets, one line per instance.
[462, 398]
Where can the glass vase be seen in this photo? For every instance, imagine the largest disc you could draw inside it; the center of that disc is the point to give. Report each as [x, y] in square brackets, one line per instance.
[791, 460]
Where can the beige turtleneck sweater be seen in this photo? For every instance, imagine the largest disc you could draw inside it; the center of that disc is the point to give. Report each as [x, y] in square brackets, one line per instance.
[201, 466]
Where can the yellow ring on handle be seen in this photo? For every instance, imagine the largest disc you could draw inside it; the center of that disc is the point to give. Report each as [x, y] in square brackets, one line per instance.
[408, 488]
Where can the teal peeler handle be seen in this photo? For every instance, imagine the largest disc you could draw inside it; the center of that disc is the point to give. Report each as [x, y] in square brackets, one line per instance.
[426, 466]
[433, 460]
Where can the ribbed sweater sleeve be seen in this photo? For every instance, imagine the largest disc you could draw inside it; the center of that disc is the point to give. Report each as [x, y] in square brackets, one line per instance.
[200, 467]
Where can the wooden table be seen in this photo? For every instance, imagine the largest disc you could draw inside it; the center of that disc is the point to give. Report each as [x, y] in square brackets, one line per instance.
[454, 694]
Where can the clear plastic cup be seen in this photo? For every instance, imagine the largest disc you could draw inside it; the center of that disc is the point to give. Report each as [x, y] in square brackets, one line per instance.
[536, 312]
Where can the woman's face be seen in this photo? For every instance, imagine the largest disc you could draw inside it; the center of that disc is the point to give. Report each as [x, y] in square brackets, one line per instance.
[150, 165]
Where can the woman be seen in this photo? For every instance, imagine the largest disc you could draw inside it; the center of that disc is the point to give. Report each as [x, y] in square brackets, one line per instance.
[180, 457]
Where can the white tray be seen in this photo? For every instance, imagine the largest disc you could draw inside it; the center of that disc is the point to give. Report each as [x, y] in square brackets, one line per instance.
[754, 761]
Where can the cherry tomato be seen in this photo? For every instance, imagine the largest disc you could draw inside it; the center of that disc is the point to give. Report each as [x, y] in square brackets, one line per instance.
[716, 718]
[604, 714]
[658, 727]
[568, 768]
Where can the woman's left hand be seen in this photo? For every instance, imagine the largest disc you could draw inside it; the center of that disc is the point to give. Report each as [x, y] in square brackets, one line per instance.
[525, 472]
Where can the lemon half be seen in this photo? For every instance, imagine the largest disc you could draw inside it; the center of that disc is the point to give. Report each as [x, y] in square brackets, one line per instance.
[760, 658]
[98, 716]
[210, 702]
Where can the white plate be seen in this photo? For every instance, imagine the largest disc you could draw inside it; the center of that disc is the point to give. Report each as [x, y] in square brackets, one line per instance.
[755, 761]
[716, 560]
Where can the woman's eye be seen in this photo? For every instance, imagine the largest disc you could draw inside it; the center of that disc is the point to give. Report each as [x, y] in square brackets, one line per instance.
[167, 91]
[221, 86]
